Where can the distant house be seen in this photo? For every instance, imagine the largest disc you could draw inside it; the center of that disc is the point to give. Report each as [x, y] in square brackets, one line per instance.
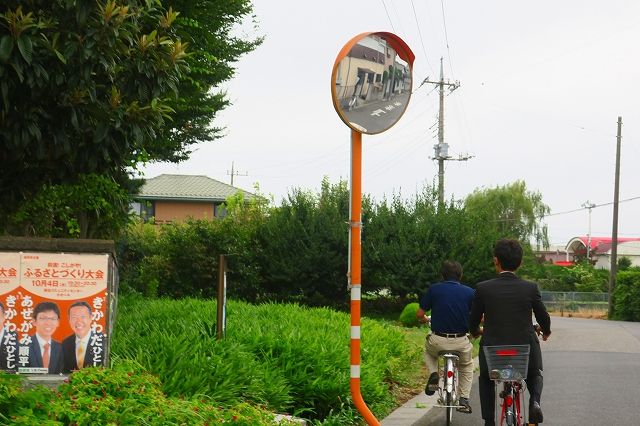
[171, 198]
[600, 250]
[553, 254]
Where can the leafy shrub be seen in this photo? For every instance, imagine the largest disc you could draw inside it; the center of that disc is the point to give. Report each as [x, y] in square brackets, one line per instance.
[302, 247]
[94, 206]
[626, 296]
[624, 263]
[384, 306]
[126, 394]
[408, 316]
[550, 277]
[181, 259]
[590, 279]
[298, 252]
[580, 277]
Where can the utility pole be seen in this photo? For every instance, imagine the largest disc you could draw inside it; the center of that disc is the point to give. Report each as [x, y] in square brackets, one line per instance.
[441, 149]
[234, 173]
[614, 232]
[589, 205]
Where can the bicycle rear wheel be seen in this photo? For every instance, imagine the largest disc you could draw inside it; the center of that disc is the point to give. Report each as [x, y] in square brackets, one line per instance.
[510, 407]
[449, 404]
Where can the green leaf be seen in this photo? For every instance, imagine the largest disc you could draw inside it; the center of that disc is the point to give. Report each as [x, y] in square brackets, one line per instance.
[6, 47]
[26, 48]
[18, 69]
[101, 132]
[4, 87]
[60, 56]
[74, 120]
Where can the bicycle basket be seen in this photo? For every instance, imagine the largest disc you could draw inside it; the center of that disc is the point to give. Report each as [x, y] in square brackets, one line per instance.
[507, 362]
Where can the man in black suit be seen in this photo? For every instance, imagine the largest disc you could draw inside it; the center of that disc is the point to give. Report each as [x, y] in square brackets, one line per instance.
[45, 352]
[507, 303]
[8, 344]
[85, 347]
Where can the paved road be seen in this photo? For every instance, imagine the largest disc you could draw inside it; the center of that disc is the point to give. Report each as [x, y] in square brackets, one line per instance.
[591, 376]
[376, 116]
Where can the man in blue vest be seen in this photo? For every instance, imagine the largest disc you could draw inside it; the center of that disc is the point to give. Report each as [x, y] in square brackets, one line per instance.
[450, 303]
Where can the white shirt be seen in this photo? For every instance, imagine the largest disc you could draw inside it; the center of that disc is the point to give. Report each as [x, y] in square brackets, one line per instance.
[41, 343]
[82, 343]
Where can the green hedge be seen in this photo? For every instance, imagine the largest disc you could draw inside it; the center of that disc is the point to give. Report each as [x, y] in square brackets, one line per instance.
[298, 252]
[626, 296]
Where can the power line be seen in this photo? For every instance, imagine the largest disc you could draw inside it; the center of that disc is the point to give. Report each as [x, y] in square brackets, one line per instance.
[588, 207]
[424, 50]
[446, 37]
[592, 206]
[397, 15]
[389, 17]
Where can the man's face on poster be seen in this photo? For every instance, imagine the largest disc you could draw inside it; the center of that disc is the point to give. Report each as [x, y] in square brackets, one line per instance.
[46, 324]
[80, 320]
[1, 317]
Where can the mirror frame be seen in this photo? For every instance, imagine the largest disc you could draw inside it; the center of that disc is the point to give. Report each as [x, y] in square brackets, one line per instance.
[403, 51]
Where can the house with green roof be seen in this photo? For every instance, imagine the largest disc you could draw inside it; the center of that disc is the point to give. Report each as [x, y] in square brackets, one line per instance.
[175, 198]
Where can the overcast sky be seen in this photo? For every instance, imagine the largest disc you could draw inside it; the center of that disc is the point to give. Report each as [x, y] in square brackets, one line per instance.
[541, 87]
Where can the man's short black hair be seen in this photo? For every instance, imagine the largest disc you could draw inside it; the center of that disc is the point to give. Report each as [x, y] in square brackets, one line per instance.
[509, 254]
[46, 307]
[2, 308]
[451, 270]
[80, 303]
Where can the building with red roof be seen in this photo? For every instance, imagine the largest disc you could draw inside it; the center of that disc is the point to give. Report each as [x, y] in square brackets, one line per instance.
[599, 250]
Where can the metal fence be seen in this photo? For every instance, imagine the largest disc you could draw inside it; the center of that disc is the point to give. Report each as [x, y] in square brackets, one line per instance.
[573, 301]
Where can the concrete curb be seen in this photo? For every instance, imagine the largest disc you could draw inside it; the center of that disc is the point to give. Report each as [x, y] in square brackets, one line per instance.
[411, 411]
[416, 408]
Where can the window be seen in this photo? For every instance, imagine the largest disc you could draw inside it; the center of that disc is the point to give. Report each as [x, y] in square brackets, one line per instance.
[219, 210]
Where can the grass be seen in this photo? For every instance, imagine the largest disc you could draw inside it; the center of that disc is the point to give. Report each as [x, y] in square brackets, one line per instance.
[595, 313]
[285, 357]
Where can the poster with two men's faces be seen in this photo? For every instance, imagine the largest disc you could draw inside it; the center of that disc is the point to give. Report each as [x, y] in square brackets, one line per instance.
[53, 312]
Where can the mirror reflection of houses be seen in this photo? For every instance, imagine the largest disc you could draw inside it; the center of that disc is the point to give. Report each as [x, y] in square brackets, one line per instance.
[372, 71]
[372, 83]
[170, 198]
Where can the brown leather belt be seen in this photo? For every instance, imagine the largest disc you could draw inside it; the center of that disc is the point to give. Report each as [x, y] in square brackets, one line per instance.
[449, 335]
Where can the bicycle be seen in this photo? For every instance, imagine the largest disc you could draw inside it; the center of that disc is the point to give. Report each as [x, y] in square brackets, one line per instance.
[353, 102]
[448, 394]
[507, 366]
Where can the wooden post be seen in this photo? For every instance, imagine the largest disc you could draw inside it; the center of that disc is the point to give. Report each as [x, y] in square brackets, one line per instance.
[221, 320]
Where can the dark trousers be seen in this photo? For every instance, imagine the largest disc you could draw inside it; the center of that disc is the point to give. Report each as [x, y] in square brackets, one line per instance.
[487, 389]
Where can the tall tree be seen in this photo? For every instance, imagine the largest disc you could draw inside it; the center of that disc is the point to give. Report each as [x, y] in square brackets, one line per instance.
[208, 28]
[93, 88]
[512, 210]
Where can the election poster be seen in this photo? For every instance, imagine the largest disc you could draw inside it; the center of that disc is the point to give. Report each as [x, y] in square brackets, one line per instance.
[54, 311]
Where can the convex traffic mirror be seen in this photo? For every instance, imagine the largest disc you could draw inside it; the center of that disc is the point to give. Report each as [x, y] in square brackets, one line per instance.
[371, 81]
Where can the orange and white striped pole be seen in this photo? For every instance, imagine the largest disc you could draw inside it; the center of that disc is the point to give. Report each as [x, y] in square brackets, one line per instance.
[355, 267]
[355, 205]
